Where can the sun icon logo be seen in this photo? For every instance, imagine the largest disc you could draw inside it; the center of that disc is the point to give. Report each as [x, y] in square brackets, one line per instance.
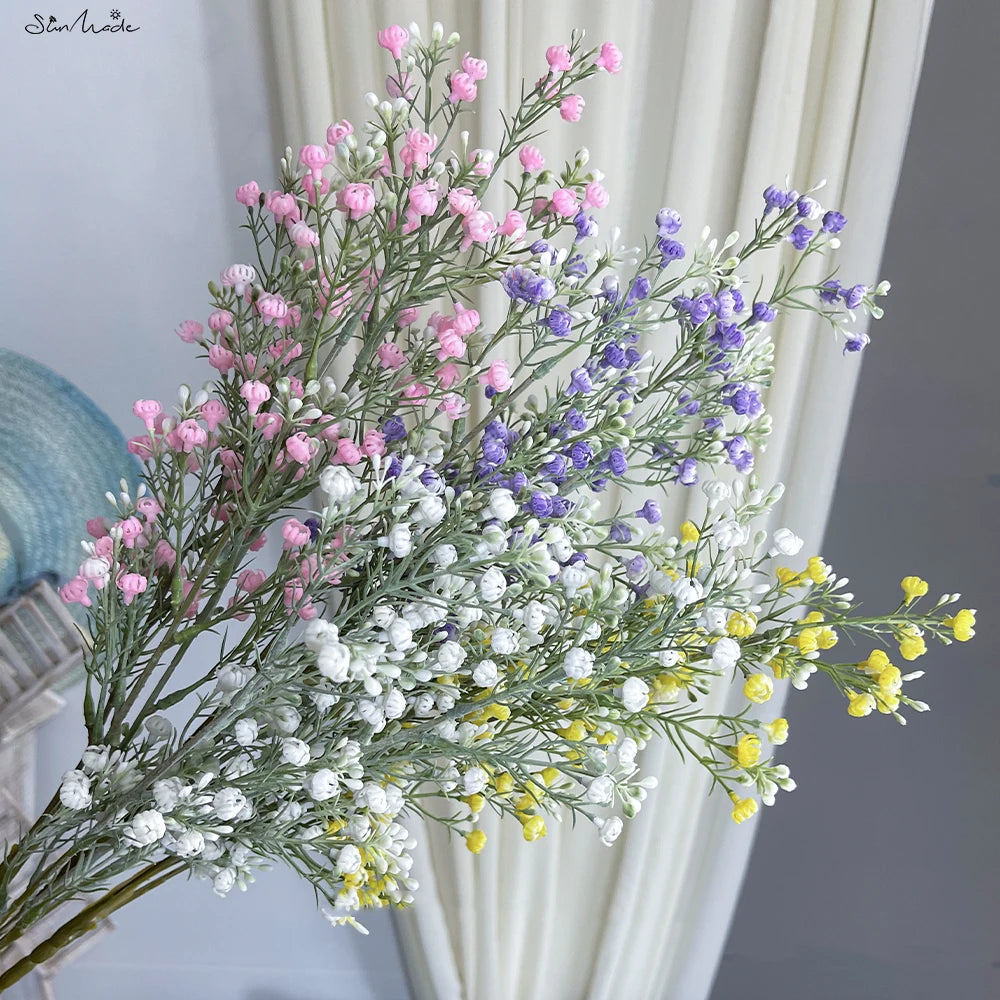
[116, 15]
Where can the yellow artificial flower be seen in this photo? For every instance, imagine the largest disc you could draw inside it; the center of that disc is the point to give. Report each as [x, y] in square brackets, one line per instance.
[504, 783]
[533, 828]
[777, 731]
[962, 624]
[549, 775]
[817, 570]
[887, 703]
[741, 624]
[607, 738]
[826, 638]
[806, 640]
[877, 662]
[913, 587]
[912, 644]
[748, 750]
[812, 618]
[689, 532]
[788, 577]
[475, 802]
[778, 665]
[860, 704]
[743, 809]
[574, 732]
[890, 680]
[475, 841]
[758, 688]
[666, 687]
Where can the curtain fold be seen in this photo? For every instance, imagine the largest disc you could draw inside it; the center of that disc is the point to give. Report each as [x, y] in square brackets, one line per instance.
[718, 99]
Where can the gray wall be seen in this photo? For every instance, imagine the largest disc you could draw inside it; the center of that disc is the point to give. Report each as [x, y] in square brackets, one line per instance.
[879, 877]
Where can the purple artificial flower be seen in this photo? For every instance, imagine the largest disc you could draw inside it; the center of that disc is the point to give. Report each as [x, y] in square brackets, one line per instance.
[669, 250]
[522, 284]
[576, 266]
[636, 566]
[688, 407]
[775, 197]
[615, 356]
[620, 532]
[494, 451]
[312, 524]
[539, 247]
[668, 221]
[395, 467]
[854, 296]
[586, 226]
[725, 304]
[559, 321]
[743, 399]
[560, 506]
[447, 631]
[833, 222]
[804, 207]
[576, 419]
[518, 482]
[718, 363]
[580, 381]
[728, 336]
[617, 462]
[581, 454]
[832, 291]
[651, 509]
[540, 504]
[687, 472]
[394, 429]
[701, 308]
[638, 291]
[632, 358]
[738, 304]
[714, 423]
[763, 313]
[554, 468]
[856, 343]
[800, 236]
[739, 453]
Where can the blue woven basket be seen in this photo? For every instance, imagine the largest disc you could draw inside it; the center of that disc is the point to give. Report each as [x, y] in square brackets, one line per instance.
[59, 455]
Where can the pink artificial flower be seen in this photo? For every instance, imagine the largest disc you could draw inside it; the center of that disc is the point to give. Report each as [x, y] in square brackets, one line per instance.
[479, 227]
[314, 158]
[310, 188]
[482, 160]
[391, 356]
[463, 88]
[563, 202]
[448, 375]
[539, 205]
[147, 410]
[191, 610]
[301, 448]
[258, 543]
[96, 528]
[295, 533]
[213, 413]
[149, 508]
[283, 206]
[462, 201]
[248, 194]
[571, 108]
[190, 435]
[250, 580]
[292, 318]
[219, 320]
[269, 425]
[295, 386]
[415, 392]
[238, 277]
[394, 38]
[373, 443]
[255, 393]
[531, 158]
[450, 344]
[96, 570]
[339, 131]
[75, 592]
[610, 59]
[348, 452]
[245, 364]
[423, 198]
[335, 304]
[514, 226]
[190, 331]
[595, 196]
[164, 554]
[129, 531]
[105, 547]
[302, 236]
[407, 316]
[453, 405]
[221, 358]
[466, 320]
[401, 86]
[131, 585]
[285, 350]
[497, 376]
[475, 69]
[558, 58]
[357, 199]
[139, 446]
[271, 307]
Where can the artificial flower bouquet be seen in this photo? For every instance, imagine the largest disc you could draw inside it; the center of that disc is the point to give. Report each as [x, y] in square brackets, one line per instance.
[462, 617]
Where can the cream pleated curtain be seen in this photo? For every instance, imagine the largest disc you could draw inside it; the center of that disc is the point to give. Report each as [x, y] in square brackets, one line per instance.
[718, 99]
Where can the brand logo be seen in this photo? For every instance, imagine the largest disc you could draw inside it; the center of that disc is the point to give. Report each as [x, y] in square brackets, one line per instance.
[83, 24]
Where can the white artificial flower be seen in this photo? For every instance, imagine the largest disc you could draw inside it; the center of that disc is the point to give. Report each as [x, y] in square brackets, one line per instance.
[233, 676]
[334, 661]
[725, 653]
[373, 797]
[383, 616]
[318, 633]
[159, 728]
[626, 751]
[713, 619]
[467, 615]
[400, 634]
[559, 544]
[146, 828]
[295, 751]
[502, 505]
[610, 828]
[189, 844]
[424, 706]
[494, 540]
[504, 641]
[716, 491]
[400, 540]
[394, 704]
[601, 790]
[474, 781]
[786, 542]
[286, 719]
[635, 694]
[338, 483]
[578, 663]
[573, 579]
[95, 758]
[224, 881]
[167, 793]
[323, 700]
[450, 656]
[429, 511]
[323, 785]
[730, 534]
[444, 555]
[534, 616]
[349, 860]
[686, 590]
[373, 713]
[486, 674]
[227, 803]
[668, 657]
[394, 799]
[74, 792]
[246, 731]
[492, 585]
